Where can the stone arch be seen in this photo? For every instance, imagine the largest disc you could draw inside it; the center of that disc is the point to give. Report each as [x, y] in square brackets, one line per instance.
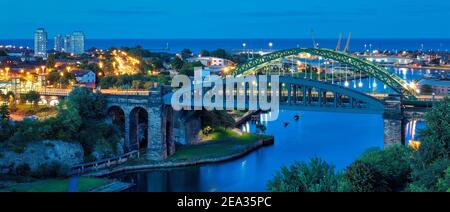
[116, 116]
[138, 129]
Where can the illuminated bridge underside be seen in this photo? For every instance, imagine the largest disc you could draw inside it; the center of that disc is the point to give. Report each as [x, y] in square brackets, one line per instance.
[310, 95]
[360, 64]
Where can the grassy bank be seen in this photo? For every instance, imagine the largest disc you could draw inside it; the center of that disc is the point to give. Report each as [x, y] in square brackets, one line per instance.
[53, 185]
[220, 143]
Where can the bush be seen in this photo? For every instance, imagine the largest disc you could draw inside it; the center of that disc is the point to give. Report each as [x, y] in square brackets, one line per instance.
[363, 177]
[19, 149]
[317, 176]
[23, 170]
[431, 161]
[444, 182]
[216, 118]
[53, 169]
[380, 170]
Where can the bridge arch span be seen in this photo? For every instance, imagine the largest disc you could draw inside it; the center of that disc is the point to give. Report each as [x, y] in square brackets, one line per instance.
[396, 83]
[138, 128]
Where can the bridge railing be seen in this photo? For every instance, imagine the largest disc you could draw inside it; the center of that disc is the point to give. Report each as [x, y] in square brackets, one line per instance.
[102, 164]
[118, 92]
[49, 91]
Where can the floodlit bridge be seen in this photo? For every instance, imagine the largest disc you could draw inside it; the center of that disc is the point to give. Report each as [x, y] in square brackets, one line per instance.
[360, 64]
[149, 122]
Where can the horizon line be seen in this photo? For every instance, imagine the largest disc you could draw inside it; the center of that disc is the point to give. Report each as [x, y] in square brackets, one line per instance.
[373, 38]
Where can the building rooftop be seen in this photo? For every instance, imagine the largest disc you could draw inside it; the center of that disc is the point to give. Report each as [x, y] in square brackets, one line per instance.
[80, 73]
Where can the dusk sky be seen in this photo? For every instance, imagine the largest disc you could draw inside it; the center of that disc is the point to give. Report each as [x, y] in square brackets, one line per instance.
[228, 19]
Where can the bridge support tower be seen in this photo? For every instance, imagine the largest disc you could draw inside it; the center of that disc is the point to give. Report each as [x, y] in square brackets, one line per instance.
[393, 121]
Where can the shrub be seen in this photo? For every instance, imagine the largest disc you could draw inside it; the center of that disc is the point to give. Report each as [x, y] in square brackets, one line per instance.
[432, 159]
[19, 149]
[380, 170]
[317, 176]
[54, 169]
[23, 170]
[363, 177]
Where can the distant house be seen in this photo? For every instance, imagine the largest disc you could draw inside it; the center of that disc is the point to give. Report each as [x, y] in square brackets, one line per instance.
[440, 87]
[211, 61]
[85, 77]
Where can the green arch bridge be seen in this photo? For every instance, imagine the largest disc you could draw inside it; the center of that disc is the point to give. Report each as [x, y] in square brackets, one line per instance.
[393, 81]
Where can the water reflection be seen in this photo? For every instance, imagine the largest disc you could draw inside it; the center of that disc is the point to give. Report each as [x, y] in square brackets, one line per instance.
[338, 138]
[412, 130]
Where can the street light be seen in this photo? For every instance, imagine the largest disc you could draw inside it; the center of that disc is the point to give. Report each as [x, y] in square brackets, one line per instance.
[270, 45]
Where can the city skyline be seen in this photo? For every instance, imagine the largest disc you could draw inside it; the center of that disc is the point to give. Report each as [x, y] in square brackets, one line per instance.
[137, 19]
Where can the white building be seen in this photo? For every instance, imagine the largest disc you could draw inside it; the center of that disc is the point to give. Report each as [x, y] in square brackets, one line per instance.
[74, 44]
[390, 60]
[40, 43]
[85, 76]
[58, 43]
[78, 43]
[211, 61]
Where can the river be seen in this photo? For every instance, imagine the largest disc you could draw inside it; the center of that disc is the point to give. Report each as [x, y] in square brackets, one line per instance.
[338, 138]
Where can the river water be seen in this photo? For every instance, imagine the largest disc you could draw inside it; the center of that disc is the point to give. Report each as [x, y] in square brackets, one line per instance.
[338, 138]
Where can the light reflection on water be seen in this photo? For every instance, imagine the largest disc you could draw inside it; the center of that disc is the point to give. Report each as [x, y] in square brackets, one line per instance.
[338, 138]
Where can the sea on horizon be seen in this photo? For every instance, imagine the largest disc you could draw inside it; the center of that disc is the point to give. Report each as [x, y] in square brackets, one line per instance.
[196, 45]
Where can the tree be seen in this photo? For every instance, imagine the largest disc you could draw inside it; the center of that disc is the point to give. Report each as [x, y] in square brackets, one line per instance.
[221, 53]
[186, 53]
[177, 63]
[4, 113]
[188, 68]
[216, 118]
[3, 53]
[432, 159]
[33, 97]
[88, 104]
[3, 97]
[363, 177]
[204, 53]
[317, 176]
[51, 60]
[381, 170]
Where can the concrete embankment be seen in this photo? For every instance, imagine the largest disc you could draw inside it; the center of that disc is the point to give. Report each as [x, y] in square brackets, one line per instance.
[172, 164]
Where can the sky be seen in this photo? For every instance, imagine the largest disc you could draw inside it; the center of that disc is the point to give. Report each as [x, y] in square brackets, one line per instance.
[128, 19]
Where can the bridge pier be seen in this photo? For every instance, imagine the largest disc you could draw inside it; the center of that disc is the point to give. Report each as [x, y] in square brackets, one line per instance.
[127, 128]
[157, 148]
[393, 121]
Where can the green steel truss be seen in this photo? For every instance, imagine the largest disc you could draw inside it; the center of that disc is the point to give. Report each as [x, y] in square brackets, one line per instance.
[393, 81]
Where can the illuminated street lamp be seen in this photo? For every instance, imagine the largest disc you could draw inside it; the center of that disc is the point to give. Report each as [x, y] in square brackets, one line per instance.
[270, 45]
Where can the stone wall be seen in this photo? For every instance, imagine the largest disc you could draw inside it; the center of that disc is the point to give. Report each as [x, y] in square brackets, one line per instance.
[393, 132]
[42, 153]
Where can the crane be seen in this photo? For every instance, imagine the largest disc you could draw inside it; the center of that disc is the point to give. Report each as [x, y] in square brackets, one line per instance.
[313, 39]
[348, 42]
[338, 46]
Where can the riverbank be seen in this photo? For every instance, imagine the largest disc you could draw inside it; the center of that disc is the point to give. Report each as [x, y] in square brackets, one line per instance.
[226, 145]
[83, 184]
